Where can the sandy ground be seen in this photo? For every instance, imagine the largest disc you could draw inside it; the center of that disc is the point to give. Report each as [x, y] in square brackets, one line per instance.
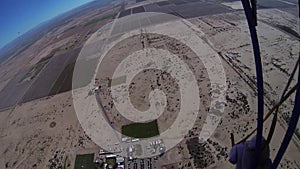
[154, 78]
[46, 131]
[3, 84]
[54, 45]
[228, 36]
[35, 132]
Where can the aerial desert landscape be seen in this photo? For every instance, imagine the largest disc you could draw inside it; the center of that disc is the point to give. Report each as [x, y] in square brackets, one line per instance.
[166, 83]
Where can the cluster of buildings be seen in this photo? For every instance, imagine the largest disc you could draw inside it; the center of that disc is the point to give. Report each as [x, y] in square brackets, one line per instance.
[107, 160]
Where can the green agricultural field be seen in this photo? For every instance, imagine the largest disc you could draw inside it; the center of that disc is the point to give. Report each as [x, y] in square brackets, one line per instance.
[141, 130]
[84, 161]
[110, 16]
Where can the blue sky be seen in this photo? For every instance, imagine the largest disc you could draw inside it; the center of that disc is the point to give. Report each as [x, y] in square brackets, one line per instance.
[19, 16]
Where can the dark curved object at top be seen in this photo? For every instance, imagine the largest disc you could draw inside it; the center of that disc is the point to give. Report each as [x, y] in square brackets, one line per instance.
[252, 22]
[251, 19]
[291, 128]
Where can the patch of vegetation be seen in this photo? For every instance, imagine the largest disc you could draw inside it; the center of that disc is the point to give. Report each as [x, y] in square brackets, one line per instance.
[96, 20]
[57, 160]
[111, 162]
[141, 130]
[34, 71]
[201, 153]
[84, 161]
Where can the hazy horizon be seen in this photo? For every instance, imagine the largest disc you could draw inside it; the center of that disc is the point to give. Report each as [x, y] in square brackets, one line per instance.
[18, 17]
